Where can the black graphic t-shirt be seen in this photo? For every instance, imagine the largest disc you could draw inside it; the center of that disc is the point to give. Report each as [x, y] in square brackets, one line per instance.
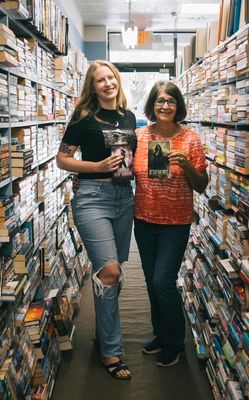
[95, 139]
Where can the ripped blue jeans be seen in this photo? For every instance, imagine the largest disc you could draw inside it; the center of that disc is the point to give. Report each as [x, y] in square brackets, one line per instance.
[103, 215]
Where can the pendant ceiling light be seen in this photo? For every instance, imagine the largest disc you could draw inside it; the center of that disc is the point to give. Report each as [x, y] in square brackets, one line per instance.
[129, 32]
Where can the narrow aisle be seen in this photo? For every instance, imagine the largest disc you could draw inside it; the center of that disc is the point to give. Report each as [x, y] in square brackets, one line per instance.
[82, 377]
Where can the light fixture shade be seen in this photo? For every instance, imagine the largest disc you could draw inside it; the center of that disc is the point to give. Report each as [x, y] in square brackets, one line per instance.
[129, 35]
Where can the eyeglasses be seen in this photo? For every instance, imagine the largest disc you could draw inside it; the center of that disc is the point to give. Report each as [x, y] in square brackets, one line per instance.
[170, 102]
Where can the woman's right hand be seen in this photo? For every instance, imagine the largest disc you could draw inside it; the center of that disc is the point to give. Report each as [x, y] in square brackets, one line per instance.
[110, 164]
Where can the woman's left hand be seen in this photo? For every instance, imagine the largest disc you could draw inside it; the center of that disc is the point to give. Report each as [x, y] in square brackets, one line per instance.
[197, 180]
[178, 158]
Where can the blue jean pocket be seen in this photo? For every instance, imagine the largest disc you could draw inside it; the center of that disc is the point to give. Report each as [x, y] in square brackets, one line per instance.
[88, 191]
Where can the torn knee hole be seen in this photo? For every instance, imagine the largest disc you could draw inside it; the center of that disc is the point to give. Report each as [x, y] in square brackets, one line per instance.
[108, 275]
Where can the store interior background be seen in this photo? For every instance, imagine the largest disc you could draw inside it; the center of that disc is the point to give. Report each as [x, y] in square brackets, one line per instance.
[170, 25]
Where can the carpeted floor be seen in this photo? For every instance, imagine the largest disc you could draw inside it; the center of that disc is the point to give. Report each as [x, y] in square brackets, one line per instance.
[82, 377]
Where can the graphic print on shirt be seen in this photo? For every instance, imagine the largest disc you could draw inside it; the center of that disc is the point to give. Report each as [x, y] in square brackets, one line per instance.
[114, 136]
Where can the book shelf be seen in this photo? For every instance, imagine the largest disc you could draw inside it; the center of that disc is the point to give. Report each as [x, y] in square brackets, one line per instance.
[42, 259]
[214, 278]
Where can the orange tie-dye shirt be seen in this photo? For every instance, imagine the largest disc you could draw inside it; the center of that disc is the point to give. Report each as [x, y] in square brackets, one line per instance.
[166, 201]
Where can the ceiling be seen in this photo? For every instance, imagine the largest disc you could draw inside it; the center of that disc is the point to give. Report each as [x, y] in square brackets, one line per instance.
[152, 15]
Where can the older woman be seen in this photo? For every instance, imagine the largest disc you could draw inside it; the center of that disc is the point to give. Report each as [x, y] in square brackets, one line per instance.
[164, 213]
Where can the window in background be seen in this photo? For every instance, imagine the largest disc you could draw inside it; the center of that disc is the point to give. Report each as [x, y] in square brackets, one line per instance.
[137, 86]
[152, 48]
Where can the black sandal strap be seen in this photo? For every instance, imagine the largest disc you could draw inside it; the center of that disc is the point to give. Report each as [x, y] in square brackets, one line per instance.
[118, 366]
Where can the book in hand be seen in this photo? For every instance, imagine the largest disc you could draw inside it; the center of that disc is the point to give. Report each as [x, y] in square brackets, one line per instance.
[124, 172]
[158, 162]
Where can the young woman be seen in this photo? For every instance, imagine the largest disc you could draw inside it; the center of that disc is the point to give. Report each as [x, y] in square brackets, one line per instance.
[102, 209]
[164, 213]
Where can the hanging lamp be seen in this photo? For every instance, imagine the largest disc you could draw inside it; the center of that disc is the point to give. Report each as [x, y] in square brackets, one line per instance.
[129, 32]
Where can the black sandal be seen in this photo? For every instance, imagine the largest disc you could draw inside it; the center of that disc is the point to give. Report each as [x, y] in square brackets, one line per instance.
[118, 366]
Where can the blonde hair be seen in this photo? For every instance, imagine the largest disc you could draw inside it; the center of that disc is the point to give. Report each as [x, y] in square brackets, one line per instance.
[88, 104]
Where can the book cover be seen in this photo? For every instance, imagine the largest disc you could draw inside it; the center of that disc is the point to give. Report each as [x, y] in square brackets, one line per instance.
[35, 313]
[158, 163]
[124, 172]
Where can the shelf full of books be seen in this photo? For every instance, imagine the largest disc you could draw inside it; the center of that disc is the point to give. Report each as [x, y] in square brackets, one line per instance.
[214, 278]
[42, 260]
[44, 19]
[233, 16]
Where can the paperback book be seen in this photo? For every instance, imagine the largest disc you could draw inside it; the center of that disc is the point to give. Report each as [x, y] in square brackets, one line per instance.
[158, 162]
[124, 172]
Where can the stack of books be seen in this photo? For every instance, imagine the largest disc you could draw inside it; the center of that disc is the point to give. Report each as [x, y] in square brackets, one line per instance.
[13, 98]
[62, 316]
[224, 188]
[242, 152]
[8, 218]
[23, 258]
[230, 149]
[221, 142]
[8, 49]
[242, 100]
[61, 73]
[4, 158]
[60, 106]
[241, 55]
[16, 8]
[4, 98]
[228, 62]
[48, 252]
[45, 103]
[21, 162]
[40, 392]
[208, 76]
[49, 358]
[237, 244]
[28, 352]
[71, 102]
[27, 48]
[214, 62]
[62, 228]
[45, 66]
[12, 284]
[23, 136]
[35, 320]
[68, 252]
[6, 329]
[26, 100]
[26, 189]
